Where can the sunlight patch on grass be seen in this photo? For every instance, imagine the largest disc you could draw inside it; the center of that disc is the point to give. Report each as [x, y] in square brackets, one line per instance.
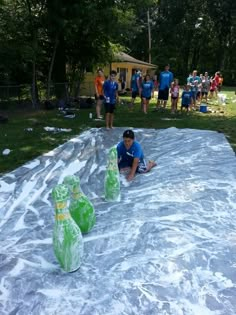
[26, 148]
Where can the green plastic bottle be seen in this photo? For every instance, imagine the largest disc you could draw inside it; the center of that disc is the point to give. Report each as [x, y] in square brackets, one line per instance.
[81, 209]
[67, 237]
[112, 177]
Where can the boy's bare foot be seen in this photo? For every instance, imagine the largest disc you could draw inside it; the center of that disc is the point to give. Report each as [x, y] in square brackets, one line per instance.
[150, 165]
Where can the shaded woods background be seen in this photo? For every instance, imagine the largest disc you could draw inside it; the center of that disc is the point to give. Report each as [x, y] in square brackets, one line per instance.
[48, 41]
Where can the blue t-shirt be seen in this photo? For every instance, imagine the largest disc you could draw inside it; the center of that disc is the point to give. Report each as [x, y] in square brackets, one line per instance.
[194, 81]
[165, 79]
[134, 84]
[186, 98]
[126, 157]
[109, 89]
[196, 78]
[147, 88]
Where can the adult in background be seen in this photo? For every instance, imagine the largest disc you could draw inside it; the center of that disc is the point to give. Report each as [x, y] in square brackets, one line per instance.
[131, 157]
[194, 82]
[99, 97]
[110, 89]
[165, 79]
[135, 86]
[186, 98]
[205, 87]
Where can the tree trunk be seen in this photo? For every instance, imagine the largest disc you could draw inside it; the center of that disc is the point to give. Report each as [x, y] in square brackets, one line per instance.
[34, 88]
[51, 68]
[59, 69]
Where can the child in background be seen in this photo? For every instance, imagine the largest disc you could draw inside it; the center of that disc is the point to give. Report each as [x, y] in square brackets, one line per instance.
[174, 92]
[146, 92]
[213, 88]
[135, 86]
[186, 98]
[220, 82]
[110, 89]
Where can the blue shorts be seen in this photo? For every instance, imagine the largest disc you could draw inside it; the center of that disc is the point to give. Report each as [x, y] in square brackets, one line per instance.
[135, 94]
[142, 167]
[194, 95]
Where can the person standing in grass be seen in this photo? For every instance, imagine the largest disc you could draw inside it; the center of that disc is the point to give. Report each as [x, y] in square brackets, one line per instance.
[186, 98]
[165, 79]
[110, 89]
[205, 87]
[194, 82]
[221, 79]
[146, 92]
[135, 86]
[213, 87]
[99, 97]
[174, 92]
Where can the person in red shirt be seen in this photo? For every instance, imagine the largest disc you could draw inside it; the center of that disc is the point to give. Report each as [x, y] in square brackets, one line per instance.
[220, 82]
[217, 81]
[213, 87]
[99, 96]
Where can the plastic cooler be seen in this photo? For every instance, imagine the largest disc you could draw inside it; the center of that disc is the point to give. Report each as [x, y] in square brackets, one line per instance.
[203, 108]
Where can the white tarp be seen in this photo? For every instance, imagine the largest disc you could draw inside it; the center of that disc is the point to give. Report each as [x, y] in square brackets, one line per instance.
[167, 248]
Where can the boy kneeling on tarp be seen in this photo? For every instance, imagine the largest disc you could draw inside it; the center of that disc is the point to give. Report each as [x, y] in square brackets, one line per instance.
[131, 157]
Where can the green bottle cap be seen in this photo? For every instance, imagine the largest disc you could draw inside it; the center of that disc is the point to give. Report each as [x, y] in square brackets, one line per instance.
[72, 182]
[60, 193]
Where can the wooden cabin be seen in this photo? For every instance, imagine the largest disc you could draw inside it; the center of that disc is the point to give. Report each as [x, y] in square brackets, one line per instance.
[124, 64]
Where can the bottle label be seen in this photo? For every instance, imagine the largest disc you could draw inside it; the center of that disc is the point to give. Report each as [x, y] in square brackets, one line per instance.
[60, 205]
[62, 216]
[77, 195]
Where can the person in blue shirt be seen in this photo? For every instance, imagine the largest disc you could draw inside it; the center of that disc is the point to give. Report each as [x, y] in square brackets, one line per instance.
[194, 82]
[135, 86]
[147, 89]
[110, 90]
[186, 98]
[165, 79]
[131, 157]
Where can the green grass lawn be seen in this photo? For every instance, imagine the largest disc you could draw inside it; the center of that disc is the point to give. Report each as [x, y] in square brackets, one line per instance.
[26, 145]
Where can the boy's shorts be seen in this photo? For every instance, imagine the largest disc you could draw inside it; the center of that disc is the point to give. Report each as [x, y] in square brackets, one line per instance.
[146, 97]
[135, 94]
[142, 166]
[163, 94]
[109, 108]
[185, 105]
[194, 95]
[100, 97]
